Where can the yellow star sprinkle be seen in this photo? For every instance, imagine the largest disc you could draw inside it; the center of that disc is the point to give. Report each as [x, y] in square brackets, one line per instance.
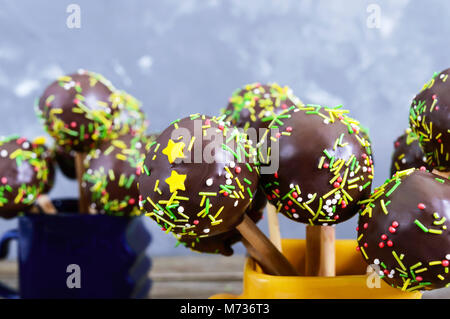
[174, 151]
[176, 181]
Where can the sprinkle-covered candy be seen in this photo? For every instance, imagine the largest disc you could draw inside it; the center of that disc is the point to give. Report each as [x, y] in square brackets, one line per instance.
[77, 110]
[188, 185]
[255, 105]
[111, 174]
[407, 153]
[403, 230]
[430, 120]
[24, 175]
[325, 166]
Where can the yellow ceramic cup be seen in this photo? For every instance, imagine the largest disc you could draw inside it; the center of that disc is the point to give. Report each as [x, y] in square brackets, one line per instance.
[350, 282]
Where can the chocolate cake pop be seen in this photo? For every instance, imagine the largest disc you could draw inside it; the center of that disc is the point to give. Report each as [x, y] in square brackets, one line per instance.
[112, 170]
[256, 104]
[77, 110]
[23, 175]
[403, 230]
[407, 153]
[130, 118]
[325, 166]
[430, 120]
[193, 195]
[221, 244]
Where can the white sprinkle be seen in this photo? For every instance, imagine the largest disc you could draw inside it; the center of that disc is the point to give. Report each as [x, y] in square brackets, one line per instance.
[447, 257]
[403, 160]
[236, 203]
[206, 230]
[187, 225]
[310, 196]
[291, 186]
[299, 199]
[228, 181]
[209, 182]
[138, 145]
[337, 196]
[376, 261]
[334, 201]
[295, 215]
[232, 164]
[364, 169]
[328, 202]
[26, 145]
[227, 176]
[4, 153]
[160, 213]
[326, 121]
[180, 209]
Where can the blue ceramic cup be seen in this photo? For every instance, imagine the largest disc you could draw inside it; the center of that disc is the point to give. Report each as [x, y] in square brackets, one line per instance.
[69, 255]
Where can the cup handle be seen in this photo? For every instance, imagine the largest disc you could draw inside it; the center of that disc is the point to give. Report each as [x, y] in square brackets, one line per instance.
[5, 240]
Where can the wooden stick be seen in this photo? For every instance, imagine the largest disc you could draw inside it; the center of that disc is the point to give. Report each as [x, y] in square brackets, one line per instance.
[45, 203]
[274, 226]
[443, 174]
[320, 251]
[79, 167]
[262, 250]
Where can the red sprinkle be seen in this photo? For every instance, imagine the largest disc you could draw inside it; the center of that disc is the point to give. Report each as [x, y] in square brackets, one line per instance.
[293, 210]
[326, 165]
[283, 106]
[276, 174]
[366, 225]
[390, 243]
[290, 203]
[195, 222]
[278, 135]
[294, 194]
[289, 129]
[381, 245]
[339, 179]
[237, 169]
[73, 124]
[445, 263]
[395, 224]
[131, 201]
[277, 191]
[336, 184]
[418, 278]
[391, 229]
[357, 248]
[421, 206]
[365, 245]
[225, 194]
[4, 180]
[384, 237]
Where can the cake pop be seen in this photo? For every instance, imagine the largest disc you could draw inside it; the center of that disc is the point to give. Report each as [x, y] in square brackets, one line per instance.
[255, 105]
[430, 120]
[24, 175]
[77, 110]
[111, 173]
[325, 166]
[407, 153]
[403, 230]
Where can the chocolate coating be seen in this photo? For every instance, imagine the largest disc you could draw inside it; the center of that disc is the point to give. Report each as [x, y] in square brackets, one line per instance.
[403, 230]
[256, 104]
[325, 166]
[430, 120]
[111, 174]
[407, 153]
[194, 195]
[23, 175]
[221, 244]
[77, 110]
[66, 161]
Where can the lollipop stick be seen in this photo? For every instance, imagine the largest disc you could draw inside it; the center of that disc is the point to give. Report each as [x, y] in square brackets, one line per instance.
[443, 174]
[79, 167]
[45, 203]
[320, 251]
[262, 250]
[274, 226]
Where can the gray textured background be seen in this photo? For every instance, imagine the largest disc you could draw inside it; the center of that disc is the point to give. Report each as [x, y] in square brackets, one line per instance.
[186, 56]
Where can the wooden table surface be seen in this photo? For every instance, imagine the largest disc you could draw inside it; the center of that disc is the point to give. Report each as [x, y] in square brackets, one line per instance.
[189, 277]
